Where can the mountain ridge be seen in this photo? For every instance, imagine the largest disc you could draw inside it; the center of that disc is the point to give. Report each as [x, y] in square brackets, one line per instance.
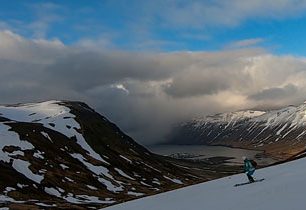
[271, 130]
[62, 154]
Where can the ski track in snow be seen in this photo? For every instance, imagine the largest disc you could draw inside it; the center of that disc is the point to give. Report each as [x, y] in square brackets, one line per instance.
[283, 189]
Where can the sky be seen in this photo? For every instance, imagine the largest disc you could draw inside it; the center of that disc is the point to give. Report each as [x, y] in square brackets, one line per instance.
[148, 65]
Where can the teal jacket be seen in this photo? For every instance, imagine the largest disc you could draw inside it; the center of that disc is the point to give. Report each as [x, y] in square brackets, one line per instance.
[248, 167]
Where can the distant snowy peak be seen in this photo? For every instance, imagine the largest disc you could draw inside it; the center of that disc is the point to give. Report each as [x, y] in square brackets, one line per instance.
[52, 115]
[32, 111]
[282, 130]
[231, 116]
[293, 115]
[296, 115]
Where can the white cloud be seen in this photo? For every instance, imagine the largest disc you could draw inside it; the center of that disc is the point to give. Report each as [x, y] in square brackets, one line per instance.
[120, 87]
[16, 48]
[226, 13]
[245, 43]
[4, 25]
[145, 93]
[100, 44]
[142, 23]
[46, 14]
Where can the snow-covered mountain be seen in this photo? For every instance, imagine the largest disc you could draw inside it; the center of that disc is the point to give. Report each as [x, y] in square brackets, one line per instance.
[281, 132]
[65, 155]
[283, 189]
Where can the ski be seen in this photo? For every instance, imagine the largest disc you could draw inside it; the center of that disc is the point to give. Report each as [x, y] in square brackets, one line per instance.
[245, 183]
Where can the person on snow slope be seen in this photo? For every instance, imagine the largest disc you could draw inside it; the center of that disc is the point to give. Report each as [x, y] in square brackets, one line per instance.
[249, 169]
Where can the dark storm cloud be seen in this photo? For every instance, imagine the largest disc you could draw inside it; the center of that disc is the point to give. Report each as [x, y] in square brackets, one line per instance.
[195, 85]
[275, 93]
[89, 69]
[145, 93]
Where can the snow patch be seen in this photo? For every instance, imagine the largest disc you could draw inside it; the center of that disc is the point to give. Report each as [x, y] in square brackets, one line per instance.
[110, 186]
[38, 154]
[80, 199]
[68, 179]
[52, 191]
[177, 181]
[10, 138]
[100, 170]
[123, 174]
[135, 193]
[92, 187]
[21, 185]
[23, 167]
[53, 116]
[145, 184]
[8, 189]
[5, 198]
[128, 160]
[45, 205]
[63, 166]
[156, 181]
[46, 135]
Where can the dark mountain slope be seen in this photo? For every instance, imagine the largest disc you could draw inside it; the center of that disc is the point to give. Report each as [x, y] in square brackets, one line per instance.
[59, 154]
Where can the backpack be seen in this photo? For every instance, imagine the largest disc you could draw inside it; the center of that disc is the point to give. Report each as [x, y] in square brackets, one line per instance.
[254, 164]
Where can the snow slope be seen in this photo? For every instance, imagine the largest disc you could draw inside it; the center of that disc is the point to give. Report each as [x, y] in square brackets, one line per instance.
[283, 189]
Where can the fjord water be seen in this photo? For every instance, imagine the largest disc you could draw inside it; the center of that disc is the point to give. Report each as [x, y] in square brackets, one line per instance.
[199, 152]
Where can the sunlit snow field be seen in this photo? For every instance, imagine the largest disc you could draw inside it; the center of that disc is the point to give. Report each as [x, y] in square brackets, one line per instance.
[283, 189]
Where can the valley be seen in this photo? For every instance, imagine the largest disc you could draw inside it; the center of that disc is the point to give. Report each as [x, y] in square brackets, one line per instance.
[63, 154]
[202, 153]
[280, 133]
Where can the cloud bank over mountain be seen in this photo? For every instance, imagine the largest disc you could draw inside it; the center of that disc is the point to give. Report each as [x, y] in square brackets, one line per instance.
[145, 93]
